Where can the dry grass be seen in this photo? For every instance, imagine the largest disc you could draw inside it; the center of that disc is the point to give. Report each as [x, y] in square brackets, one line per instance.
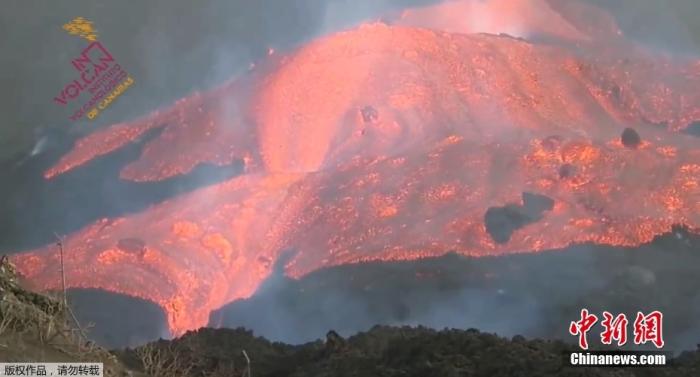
[40, 320]
[162, 361]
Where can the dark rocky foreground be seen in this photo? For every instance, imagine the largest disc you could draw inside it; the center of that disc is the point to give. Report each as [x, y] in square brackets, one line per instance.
[35, 328]
[387, 351]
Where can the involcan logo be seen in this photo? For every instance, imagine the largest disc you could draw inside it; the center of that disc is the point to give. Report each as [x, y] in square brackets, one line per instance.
[98, 74]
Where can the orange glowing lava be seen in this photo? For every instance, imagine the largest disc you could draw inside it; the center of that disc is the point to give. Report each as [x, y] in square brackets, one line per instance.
[390, 142]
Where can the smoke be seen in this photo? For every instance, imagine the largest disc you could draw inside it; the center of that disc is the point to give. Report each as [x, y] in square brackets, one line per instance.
[518, 19]
[352, 299]
[665, 26]
[134, 322]
[345, 14]
[535, 295]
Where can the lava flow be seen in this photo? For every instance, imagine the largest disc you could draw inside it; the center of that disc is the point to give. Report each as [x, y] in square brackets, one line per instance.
[398, 141]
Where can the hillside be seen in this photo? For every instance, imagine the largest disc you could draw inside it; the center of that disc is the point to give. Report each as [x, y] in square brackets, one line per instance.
[382, 351]
[34, 328]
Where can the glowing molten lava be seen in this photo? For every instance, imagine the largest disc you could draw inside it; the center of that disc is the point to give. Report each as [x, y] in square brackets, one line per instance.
[391, 142]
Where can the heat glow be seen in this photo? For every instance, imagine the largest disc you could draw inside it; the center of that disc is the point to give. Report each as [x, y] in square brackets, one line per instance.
[390, 142]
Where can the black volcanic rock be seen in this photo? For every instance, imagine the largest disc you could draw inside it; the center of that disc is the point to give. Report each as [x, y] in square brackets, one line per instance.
[630, 138]
[369, 114]
[501, 222]
[693, 129]
[566, 171]
[535, 204]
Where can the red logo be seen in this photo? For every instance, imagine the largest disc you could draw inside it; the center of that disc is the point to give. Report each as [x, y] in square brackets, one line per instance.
[96, 73]
[582, 327]
[647, 328]
[615, 329]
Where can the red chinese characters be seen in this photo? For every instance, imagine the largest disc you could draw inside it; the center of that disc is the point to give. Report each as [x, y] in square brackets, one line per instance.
[647, 328]
[615, 329]
[582, 327]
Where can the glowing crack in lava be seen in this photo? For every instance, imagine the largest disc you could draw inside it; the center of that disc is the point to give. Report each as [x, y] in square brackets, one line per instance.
[392, 142]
